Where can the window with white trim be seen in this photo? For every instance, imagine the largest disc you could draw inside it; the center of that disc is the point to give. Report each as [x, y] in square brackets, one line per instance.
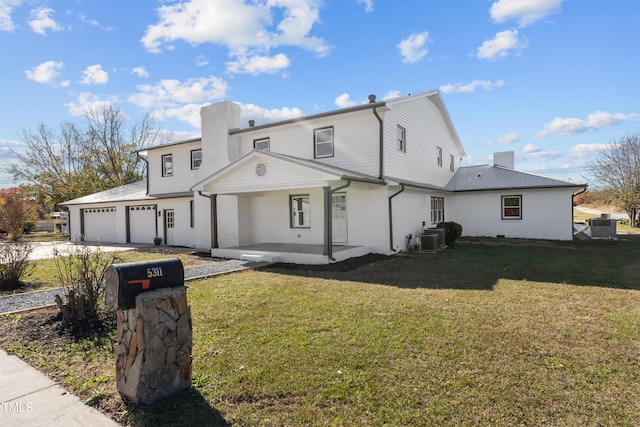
[439, 156]
[261, 144]
[300, 211]
[512, 207]
[196, 159]
[437, 210]
[402, 139]
[452, 163]
[167, 165]
[323, 142]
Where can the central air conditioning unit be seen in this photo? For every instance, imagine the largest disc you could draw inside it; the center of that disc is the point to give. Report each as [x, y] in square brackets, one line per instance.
[428, 243]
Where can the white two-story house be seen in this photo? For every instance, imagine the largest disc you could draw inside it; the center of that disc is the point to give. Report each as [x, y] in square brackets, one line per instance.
[323, 188]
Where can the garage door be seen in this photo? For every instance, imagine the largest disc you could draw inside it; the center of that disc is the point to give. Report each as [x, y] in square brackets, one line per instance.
[142, 223]
[100, 225]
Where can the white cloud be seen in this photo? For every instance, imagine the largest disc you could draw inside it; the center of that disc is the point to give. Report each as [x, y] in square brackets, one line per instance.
[413, 48]
[188, 113]
[264, 115]
[201, 61]
[345, 101]
[580, 151]
[368, 5]
[247, 29]
[6, 7]
[531, 151]
[508, 139]
[140, 72]
[597, 120]
[40, 21]
[94, 74]
[259, 64]
[500, 45]
[87, 101]
[392, 94]
[524, 11]
[46, 72]
[471, 87]
[168, 92]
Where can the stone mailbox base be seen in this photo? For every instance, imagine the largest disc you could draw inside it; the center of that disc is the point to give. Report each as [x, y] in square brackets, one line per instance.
[153, 346]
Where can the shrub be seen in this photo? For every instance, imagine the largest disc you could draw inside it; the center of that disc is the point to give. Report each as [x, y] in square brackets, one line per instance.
[81, 272]
[14, 264]
[453, 230]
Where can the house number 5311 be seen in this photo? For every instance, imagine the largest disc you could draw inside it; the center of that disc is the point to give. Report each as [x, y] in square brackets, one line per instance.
[154, 272]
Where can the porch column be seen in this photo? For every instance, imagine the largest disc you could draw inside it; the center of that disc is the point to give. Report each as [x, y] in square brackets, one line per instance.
[328, 249]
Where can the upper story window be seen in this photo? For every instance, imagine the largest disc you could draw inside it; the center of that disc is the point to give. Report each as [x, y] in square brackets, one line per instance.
[439, 156]
[511, 207]
[196, 159]
[452, 164]
[261, 144]
[323, 142]
[402, 139]
[300, 210]
[167, 165]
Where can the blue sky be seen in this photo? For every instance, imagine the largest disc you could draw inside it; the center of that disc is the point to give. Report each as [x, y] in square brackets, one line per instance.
[552, 80]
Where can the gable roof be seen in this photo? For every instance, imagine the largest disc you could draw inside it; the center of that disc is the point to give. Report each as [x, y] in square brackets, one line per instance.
[333, 172]
[136, 191]
[487, 177]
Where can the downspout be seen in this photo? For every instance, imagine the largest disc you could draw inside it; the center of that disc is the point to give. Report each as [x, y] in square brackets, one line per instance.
[147, 168]
[391, 216]
[328, 219]
[213, 206]
[381, 155]
[573, 219]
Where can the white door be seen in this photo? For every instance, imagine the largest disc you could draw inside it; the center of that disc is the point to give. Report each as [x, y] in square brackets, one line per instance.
[169, 226]
[100, 225]
[339, 214]
[142, 224]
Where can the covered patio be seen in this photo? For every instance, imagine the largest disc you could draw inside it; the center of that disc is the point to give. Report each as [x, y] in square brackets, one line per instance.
[289, 253]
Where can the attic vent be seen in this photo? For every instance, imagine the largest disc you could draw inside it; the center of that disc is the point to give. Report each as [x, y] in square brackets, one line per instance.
[261, 169]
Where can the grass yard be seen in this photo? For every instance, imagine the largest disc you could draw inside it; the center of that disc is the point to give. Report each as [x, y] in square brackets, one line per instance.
[488, 332]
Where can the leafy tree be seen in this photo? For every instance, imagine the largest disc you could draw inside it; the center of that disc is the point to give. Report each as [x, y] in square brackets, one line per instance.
[78, 159]
[617, 170]
[17, 210]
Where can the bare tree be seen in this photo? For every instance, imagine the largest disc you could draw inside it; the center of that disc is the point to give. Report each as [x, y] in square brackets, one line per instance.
[83, 158]
[617, 170]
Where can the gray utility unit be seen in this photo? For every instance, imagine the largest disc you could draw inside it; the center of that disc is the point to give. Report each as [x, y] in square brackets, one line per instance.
[431, 239]
[603, 228]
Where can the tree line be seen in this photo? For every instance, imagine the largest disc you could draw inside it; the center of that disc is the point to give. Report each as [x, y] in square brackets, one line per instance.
[85, 157]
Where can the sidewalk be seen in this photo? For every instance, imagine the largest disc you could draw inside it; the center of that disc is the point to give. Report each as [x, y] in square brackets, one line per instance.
[29, 398]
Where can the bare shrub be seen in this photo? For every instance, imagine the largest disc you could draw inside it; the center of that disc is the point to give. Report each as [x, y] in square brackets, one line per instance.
[81, 272]
[14, 264]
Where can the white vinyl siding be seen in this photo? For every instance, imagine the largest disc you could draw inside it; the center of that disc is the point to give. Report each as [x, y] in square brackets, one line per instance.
[182, 161]
[428, 128]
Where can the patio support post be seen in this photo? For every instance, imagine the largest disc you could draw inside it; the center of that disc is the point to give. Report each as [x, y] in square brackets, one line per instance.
[328, 250]
[213, 208]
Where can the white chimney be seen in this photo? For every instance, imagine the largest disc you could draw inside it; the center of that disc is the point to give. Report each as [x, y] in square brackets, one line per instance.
[504, 159]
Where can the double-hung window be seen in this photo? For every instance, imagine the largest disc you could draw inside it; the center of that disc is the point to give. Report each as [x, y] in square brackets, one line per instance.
[511, 207]
[323, 142]
[402, 139]
[196, 159]
[261, 144]
[167, 165]
[452, 164]
[439, 151]
[300, 211]
[437, 210]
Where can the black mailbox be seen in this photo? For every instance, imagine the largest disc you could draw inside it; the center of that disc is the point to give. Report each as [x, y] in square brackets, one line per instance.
[124, 281]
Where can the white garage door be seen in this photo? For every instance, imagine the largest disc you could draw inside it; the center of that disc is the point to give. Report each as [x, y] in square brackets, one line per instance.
[100, 225]
[142, 223]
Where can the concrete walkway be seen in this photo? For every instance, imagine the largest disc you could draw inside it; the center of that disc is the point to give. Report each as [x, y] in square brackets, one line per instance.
[29, 398]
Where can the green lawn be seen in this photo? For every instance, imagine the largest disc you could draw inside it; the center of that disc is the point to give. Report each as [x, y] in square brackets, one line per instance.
[491, 332]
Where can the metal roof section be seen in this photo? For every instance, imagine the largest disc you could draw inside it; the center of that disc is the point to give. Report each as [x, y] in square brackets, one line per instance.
[170, 144]
[486, 178]
[129, 192]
